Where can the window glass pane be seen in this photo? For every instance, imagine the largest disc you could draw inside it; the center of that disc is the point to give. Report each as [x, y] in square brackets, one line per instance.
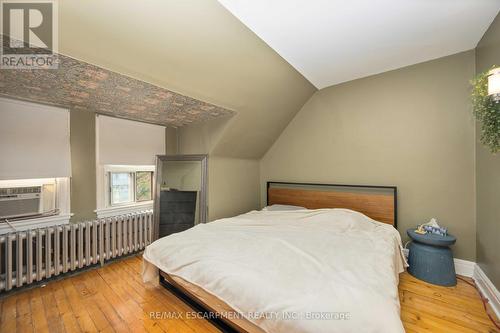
[121, 187]
[143, 185]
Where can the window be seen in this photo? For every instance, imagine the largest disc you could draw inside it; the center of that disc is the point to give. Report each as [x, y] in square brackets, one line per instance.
[143, 186]
[121, 185]
[130, 187]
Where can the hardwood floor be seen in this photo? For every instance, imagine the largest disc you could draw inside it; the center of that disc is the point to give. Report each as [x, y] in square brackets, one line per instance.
[114, 299]
[429, 308]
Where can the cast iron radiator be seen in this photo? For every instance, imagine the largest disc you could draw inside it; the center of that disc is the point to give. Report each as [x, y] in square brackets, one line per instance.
[33, 255]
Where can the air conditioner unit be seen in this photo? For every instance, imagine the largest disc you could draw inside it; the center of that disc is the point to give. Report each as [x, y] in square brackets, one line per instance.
[17, 202]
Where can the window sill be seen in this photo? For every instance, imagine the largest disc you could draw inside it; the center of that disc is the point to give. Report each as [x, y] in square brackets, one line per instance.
[34, 223]
[126, 209]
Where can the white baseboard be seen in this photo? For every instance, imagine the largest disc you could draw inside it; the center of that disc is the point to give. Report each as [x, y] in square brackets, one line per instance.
[488, 289]
[464, 267]
[472, 270]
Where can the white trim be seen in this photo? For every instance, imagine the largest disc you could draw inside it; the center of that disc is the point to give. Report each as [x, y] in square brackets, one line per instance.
[34, 223]
[120, 210]
[26, 182]
[102, 195]
[63, 196]
[488, 289]
[462, 267]
[98, 168]
[128, 168]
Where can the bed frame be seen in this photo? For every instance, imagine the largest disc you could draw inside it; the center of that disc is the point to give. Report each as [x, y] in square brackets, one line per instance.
[377, 202]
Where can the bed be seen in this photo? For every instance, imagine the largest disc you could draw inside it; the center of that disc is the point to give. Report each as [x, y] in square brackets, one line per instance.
[331, 266]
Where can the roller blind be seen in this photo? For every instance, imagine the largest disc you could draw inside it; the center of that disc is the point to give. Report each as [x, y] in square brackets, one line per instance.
[34, 141]
[126, 142]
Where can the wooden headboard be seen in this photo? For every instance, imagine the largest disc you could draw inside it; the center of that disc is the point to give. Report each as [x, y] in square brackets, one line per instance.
[377, 202]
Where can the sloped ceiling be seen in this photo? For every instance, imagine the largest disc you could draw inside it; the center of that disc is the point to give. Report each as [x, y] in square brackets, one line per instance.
[195, 48]
[78, 85]
[333, 41]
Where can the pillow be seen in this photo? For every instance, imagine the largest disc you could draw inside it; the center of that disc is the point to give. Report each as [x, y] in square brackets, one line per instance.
[277, 208]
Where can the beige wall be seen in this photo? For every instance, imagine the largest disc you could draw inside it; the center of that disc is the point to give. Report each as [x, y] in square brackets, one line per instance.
[488, 173]
[233, 186]
[170, 140]
[201, 138]
[410, 127]
[233, 183]
[83, 180]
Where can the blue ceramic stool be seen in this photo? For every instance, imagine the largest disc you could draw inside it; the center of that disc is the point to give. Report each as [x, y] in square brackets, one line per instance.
[431, 259]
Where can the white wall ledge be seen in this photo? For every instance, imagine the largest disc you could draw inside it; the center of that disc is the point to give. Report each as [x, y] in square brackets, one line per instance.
[121, 210]
[488, 289]
[34, 223]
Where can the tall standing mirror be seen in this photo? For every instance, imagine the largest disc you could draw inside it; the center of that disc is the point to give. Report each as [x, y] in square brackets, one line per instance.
[180, 193]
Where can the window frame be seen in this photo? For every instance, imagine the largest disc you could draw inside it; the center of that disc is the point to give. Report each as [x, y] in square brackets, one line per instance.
[131, 169]
[131, 181]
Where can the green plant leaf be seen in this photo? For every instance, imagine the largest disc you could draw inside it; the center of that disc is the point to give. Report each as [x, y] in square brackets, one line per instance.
[486, 111]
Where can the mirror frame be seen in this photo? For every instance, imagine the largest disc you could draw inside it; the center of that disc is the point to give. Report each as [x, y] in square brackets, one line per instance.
[203, 192]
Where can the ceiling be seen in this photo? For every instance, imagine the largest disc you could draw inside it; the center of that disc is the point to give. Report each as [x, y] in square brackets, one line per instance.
[333, 41]
[195, 48]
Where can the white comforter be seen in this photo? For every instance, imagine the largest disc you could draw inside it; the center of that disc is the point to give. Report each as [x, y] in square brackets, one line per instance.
[327, 270]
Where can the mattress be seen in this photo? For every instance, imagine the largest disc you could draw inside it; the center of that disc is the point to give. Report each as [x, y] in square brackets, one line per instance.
[326, 270]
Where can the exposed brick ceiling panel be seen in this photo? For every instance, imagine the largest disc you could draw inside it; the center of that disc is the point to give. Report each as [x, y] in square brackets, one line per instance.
[79, 85]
